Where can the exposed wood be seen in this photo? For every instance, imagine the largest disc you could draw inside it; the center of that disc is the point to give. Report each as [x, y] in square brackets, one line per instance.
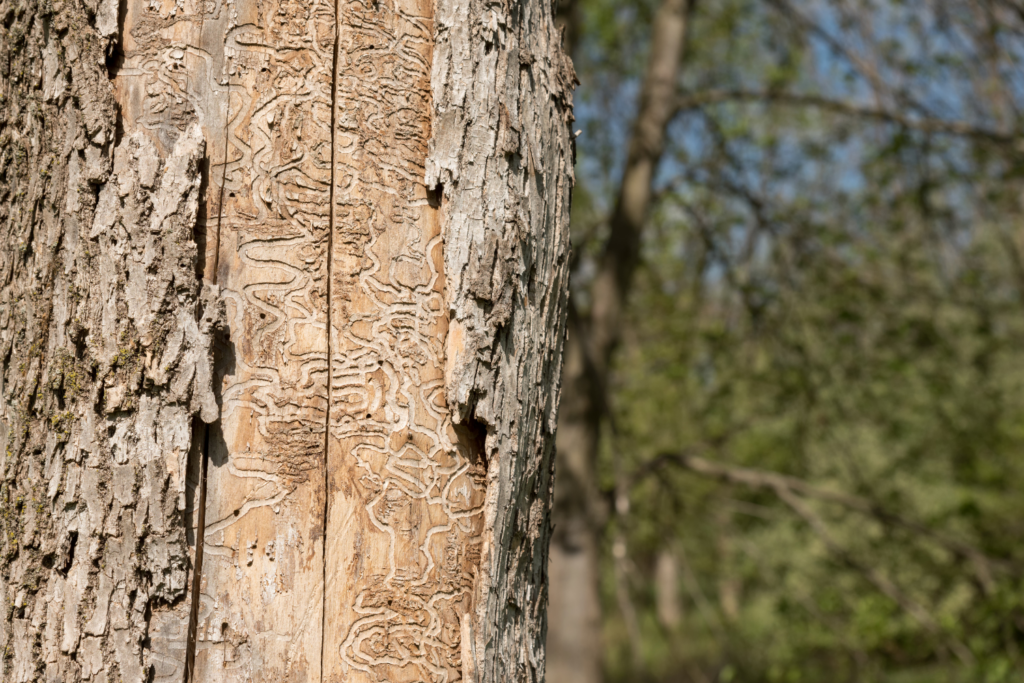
[257, 77]
[405, 488]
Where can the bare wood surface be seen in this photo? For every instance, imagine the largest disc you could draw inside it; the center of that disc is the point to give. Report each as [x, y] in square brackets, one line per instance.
[256, 76]
[406, 487]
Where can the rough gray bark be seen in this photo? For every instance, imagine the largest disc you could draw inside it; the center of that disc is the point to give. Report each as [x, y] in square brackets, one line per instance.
[574, 648]
[501, 150]
[125, 142]
[105, 336]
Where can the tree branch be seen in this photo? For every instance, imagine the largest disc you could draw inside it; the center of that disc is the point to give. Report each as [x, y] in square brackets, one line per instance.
[787, 488]
[621, 256]
[873, 576]
[706, 98]
[779, 483]
[864, 68]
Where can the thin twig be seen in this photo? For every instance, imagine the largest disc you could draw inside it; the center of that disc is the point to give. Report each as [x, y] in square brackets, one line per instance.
[697, 594]
[619, 557]
[706, 98]
[625, 601]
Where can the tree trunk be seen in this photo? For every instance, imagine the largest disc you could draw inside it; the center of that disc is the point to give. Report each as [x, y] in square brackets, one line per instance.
[284, 289]
[575, 642]
[574, 635]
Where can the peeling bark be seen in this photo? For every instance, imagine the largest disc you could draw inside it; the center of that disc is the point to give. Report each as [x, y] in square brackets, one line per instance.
[371, 324]
[501, 150]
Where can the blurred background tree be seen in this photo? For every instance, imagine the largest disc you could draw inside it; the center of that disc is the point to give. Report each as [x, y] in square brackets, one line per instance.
[791, 446]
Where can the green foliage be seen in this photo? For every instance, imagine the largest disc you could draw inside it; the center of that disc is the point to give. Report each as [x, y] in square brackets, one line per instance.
[833, 296]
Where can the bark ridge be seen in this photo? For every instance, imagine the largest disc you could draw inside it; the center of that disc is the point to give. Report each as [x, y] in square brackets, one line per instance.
[502, 150]
[106, 338]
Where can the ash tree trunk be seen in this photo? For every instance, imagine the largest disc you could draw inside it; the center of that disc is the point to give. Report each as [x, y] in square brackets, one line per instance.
[283, 301]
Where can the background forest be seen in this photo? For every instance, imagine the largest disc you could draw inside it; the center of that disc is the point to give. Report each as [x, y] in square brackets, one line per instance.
[792, 438]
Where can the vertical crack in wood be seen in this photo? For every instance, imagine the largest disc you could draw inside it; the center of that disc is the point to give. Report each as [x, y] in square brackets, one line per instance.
[330, 364]
[220, 208]
[197, 567]
[254, 76]
[197, 572]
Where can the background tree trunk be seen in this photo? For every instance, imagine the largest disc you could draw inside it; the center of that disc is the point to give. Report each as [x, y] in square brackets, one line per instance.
[371, 325]
[575, 643]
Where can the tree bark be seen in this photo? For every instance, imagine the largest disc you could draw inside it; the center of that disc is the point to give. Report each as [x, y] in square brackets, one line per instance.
[284, 289]
[575, 644]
